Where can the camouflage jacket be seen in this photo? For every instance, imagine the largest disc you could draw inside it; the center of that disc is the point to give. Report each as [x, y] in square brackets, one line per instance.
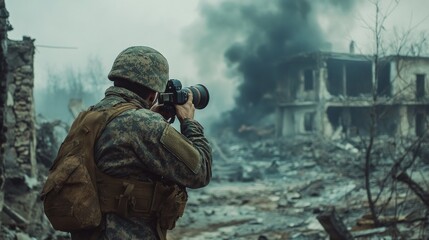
[130, 146]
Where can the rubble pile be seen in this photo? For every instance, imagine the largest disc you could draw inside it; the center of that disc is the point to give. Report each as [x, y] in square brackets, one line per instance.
[23, 216]
[276, 189]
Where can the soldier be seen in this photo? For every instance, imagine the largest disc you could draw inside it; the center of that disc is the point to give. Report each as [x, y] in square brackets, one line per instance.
[139, 145]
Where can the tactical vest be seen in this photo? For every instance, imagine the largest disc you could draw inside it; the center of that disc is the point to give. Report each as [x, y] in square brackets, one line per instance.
[76, 194]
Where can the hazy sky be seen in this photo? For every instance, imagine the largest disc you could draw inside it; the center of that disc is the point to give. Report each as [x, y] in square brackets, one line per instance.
[103, 28]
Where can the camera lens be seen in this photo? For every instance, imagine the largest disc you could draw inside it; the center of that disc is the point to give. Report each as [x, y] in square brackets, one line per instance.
[200, 96]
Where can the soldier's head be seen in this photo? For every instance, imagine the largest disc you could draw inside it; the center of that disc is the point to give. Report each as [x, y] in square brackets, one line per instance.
[141, 69]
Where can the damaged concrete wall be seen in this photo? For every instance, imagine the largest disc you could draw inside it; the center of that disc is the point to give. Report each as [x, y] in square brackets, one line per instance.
[302, 92]
[410, 78]
[331, 94]
[299, 119]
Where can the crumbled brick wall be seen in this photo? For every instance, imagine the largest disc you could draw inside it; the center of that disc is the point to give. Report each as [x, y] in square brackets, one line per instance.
[20, 159]
[4, 27]
[18, 168]
[20, 193]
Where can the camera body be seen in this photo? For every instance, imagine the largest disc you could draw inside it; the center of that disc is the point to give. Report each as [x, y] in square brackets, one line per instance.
[174, 94]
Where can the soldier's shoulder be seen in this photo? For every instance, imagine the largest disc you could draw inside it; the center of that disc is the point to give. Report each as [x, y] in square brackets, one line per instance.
[136, 122]
[147, 114]
[106, 103]
[143, 115]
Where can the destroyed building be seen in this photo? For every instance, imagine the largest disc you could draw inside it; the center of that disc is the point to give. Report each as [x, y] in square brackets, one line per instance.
[19, 201]
[342, 94]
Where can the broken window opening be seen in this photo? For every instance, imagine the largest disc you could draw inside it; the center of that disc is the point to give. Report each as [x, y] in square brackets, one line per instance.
[420, 124]
[334, 116]
[309, 121]
[308, 80]
[387, 120]
[420, 85]
[335, 82]
[358, 78]
[383, 82]
[354, 121]
[340, 119]
[350, 78]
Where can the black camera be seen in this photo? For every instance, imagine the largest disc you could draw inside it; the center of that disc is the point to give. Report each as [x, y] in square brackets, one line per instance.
[175, 95]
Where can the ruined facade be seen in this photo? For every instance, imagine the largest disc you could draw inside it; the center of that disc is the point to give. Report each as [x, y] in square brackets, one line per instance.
[336, 94]
[20, 148]
[4, 27]
[19, 202]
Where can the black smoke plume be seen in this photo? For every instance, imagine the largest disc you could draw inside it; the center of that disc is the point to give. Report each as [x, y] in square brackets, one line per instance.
[254, 37]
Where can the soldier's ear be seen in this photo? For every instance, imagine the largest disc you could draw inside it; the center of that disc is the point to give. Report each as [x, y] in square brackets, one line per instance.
[152, 97]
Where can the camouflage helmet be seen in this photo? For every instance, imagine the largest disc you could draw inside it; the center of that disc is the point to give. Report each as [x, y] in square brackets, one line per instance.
[141, 65]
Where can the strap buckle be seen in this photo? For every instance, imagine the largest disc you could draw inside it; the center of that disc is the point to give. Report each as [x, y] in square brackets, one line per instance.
[124, 200]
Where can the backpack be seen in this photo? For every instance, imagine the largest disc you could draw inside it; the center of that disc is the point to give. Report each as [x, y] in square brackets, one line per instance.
[70, 194]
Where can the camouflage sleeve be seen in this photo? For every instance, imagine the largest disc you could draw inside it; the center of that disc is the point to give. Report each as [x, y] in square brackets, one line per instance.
[192, 130]
[141, 144]
[192, 150]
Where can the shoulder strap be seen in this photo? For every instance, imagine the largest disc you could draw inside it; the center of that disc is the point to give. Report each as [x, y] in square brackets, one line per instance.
[89, 123]
[95, 122]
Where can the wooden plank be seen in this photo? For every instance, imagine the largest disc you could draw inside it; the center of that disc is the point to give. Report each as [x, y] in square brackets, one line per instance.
[333, 225]
[14, 215]
[422, 194]
[368, 232]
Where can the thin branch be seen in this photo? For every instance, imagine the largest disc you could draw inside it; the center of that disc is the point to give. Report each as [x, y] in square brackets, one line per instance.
[57, 47]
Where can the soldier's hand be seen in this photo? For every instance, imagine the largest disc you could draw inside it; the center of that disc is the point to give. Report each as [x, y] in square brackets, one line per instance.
[186, 110]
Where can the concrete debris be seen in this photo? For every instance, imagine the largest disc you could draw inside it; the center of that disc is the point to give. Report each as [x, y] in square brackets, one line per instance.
[49, 137]
[31, 181]
[24, 236]
[275, 189]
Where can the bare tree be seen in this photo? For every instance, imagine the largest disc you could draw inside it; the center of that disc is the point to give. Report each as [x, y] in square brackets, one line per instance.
[85, 86]
[403, 151]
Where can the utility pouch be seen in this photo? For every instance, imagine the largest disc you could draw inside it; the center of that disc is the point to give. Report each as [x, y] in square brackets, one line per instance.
[172, 209]
[70, 200]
